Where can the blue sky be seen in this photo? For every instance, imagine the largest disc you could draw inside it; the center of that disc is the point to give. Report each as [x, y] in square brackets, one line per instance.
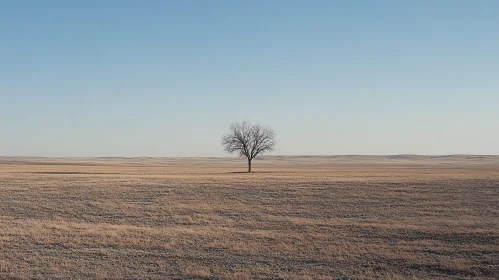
[166, 78]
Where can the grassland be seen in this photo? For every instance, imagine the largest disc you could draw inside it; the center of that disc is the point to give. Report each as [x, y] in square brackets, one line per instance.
[401, 217]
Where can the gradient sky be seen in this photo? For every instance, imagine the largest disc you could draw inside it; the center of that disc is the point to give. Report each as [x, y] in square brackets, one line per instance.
[166, 78]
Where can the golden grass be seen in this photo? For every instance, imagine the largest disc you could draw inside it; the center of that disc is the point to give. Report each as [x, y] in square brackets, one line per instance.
[102, 220]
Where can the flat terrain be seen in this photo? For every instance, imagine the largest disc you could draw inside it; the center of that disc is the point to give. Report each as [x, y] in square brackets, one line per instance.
[343, 217]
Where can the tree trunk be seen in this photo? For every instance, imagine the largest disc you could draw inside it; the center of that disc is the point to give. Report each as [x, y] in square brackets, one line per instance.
[249, 165]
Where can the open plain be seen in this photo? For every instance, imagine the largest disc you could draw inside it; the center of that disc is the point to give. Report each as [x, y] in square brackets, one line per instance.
[339, 217]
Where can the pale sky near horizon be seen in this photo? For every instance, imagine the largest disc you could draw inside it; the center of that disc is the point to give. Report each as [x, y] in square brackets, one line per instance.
[166, 78]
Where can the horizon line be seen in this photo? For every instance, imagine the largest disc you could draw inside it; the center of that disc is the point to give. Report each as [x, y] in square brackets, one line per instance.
[236, 157]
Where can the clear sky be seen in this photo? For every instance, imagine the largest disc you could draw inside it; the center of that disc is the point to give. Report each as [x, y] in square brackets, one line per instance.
[166, 78]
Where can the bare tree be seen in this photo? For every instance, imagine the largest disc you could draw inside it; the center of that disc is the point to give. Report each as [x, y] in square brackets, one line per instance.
[249, 141]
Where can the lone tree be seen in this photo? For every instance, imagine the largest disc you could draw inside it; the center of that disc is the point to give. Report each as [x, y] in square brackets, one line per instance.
[249, 141]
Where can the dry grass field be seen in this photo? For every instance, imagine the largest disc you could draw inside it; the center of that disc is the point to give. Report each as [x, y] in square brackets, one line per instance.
[345, 217]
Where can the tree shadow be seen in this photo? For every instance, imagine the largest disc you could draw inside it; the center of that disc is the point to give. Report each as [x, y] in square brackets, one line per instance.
[246, 172]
